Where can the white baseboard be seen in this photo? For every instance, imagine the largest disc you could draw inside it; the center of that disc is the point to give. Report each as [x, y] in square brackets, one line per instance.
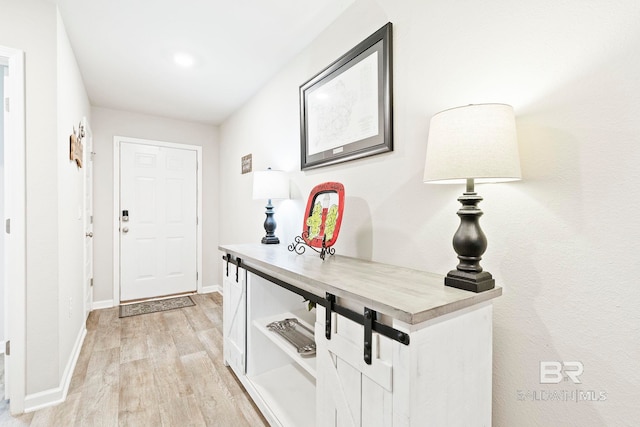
[54, 396]
[209, 289]
[98, 305]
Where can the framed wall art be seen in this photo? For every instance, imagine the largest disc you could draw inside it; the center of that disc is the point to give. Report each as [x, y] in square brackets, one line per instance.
[346, 110]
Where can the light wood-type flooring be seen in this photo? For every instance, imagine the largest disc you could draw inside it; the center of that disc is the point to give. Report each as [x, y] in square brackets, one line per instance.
[159, 369]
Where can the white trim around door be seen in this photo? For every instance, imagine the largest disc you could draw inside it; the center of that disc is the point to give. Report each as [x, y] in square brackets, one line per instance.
[117, 140]
[14, 227]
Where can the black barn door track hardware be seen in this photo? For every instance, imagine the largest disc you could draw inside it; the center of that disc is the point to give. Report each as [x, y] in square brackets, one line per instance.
[368, 319]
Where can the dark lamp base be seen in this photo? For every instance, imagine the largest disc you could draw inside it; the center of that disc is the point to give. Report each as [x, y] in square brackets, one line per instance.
[270, 226]
[474, 282]
[270, 240]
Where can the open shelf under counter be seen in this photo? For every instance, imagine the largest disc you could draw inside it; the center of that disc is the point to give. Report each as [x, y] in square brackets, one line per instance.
[289, 392]
[308, 363]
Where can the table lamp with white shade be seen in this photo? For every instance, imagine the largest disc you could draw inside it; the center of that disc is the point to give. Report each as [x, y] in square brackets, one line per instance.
[474, 143]
[270, 184]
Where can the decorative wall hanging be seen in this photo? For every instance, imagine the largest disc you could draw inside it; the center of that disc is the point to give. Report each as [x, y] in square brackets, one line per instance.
[346, 110]
[247, 163]
[322, 220]
[75, 145]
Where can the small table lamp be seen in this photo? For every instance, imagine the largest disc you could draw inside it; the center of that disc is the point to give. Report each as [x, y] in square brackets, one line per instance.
[269, 185]
[475, 143]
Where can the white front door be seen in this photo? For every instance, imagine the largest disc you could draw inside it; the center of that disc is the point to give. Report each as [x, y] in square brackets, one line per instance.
[158, 221]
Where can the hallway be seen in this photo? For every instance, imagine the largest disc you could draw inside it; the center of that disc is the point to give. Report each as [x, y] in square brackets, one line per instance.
[150, 370]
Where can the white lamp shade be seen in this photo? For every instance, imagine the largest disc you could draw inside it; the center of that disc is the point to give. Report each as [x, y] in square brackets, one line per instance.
[476, 141]
[270, 184]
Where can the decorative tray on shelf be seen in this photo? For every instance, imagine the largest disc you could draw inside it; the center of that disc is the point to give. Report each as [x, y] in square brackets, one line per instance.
[297, 334]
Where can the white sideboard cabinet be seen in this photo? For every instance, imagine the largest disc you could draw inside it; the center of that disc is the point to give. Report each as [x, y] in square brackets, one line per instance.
[394, 346]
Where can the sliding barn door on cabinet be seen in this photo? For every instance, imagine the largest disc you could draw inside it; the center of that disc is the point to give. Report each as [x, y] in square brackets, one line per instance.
[349, 391]
[235, 317]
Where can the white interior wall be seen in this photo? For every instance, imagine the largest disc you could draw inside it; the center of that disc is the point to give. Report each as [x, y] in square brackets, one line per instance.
[560, 241]
[54, 94]
[31, 26]
[106, 124]
[73, 105]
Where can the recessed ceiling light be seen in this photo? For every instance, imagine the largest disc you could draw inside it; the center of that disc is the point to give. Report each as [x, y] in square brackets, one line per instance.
[183, 59]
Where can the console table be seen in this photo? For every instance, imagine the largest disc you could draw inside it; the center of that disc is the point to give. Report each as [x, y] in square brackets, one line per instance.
[394, 346]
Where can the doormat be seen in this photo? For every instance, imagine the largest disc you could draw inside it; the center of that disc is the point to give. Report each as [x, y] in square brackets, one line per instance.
[155, 306]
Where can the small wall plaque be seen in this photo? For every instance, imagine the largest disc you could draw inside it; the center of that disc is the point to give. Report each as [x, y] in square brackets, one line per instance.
[246, 163]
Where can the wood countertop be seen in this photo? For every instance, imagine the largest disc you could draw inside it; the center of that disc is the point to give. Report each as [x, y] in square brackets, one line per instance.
[411, 296]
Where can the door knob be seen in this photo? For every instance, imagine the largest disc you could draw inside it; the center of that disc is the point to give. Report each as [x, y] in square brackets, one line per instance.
[125, 229]
[89, 234]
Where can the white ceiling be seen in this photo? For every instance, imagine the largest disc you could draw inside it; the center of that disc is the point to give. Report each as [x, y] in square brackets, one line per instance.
[124, 49]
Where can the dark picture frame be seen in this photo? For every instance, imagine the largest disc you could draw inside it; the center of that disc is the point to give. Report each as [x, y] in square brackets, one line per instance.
[346, 111]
